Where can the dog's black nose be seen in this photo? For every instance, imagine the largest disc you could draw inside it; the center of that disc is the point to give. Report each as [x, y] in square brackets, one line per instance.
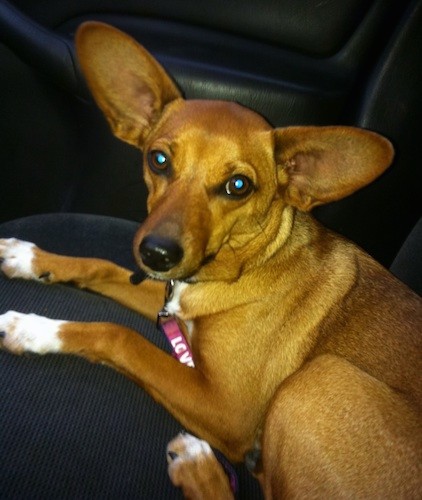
[160, 253]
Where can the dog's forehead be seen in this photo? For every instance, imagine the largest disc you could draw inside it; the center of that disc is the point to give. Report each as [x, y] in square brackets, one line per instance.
[223, 118]
[213, 131]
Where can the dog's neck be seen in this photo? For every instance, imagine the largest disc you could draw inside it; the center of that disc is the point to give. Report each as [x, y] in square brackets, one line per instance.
[274, 235]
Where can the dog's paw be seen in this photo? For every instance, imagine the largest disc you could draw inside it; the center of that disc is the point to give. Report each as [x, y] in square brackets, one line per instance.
[30, 333]
[17, 259]
[194, 468]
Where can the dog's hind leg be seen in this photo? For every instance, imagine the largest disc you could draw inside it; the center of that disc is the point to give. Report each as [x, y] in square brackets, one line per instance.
[334, 431]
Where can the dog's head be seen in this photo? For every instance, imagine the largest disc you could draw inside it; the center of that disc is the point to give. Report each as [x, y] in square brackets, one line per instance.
[223, 184]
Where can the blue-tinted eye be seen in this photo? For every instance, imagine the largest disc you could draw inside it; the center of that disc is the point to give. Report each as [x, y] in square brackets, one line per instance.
[160, 158]
[239, 185]
[158, 161]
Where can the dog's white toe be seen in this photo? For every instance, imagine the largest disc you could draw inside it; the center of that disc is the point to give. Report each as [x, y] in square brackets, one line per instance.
[194, 468]
[30, 333]
[187, 447]
[16, 258]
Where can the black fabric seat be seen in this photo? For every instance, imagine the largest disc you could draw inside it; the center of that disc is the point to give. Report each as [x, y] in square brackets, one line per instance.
[68, 428]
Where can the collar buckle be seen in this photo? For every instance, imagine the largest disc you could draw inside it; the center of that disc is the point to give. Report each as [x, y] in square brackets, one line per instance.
[169, 291]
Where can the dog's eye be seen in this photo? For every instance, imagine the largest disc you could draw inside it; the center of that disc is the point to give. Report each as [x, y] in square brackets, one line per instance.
[239, 185]
[158, 162]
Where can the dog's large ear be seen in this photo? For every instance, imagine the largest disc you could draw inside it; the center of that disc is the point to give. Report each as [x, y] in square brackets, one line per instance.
[128, 84]
[317, 165]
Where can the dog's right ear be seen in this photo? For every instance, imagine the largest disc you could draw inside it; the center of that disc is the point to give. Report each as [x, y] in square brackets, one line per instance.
[128, 84]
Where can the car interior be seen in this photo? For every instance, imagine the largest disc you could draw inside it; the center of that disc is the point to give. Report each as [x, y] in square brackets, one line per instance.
[71, 429]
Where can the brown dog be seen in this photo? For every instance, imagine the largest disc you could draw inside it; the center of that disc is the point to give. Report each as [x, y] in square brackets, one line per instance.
[302, 343]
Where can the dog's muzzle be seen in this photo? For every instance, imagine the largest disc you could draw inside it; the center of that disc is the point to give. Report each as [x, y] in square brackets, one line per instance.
[160, 253]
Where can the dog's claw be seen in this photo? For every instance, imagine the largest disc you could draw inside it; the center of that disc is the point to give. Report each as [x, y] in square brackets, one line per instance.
[172, 455]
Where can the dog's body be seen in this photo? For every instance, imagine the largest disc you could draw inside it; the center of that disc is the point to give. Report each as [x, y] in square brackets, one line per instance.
[301, 341]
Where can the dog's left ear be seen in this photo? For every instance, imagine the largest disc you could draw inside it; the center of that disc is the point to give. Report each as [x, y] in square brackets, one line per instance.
[128, 84]
[317, 165]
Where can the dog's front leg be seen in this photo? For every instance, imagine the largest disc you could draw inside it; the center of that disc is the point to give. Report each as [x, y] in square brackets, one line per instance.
[183, 391]
[22, 259]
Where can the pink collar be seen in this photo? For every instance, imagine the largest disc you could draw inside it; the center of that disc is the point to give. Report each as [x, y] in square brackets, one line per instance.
[171, 329]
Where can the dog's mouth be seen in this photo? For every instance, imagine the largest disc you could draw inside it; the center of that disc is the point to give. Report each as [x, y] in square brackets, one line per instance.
[144, 272]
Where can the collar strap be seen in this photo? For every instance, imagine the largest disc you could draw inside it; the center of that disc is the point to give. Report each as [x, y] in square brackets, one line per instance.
[170, 327]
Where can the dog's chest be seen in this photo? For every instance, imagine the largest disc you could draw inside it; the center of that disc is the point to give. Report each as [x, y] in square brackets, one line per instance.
[173, 306]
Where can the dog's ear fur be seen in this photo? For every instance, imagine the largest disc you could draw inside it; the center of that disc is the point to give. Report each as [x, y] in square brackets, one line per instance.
[317, 165]
[128, 84]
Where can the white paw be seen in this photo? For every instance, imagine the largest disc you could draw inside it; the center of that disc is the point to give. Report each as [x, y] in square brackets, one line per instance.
[30, 333]
[186, 447]
[16, 258]
[194, 468]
